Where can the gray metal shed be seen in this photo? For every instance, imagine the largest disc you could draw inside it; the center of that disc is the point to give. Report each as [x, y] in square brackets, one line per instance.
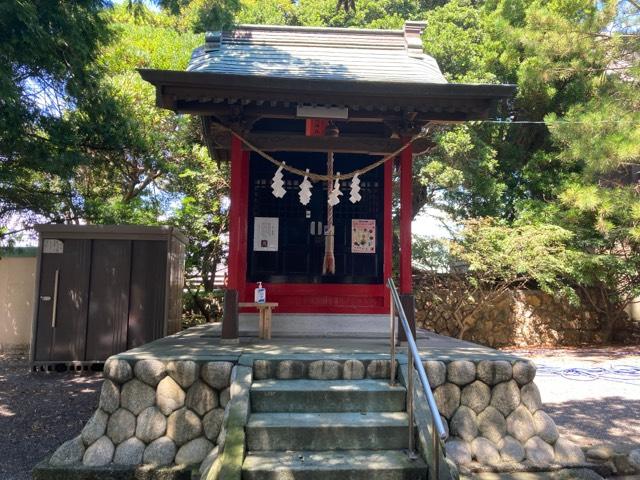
[103, 289]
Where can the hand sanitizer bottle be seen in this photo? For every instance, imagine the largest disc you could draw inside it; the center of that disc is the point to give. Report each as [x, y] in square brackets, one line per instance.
[260, 295]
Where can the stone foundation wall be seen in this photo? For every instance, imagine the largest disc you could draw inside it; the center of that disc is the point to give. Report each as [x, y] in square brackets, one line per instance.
[524, 318]
[159, 414]
[155, 413]
[494, 414]
[351, 369]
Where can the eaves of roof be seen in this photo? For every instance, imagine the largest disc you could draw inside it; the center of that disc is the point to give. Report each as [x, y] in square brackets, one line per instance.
[175, 86]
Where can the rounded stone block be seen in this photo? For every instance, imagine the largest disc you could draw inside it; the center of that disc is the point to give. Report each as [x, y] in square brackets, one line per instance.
[379, 369]
[150, 371]
[505, 397]
[599, 452]
[539, 452]
[169, 396]
[458, 451]
[135, 396]
[121, 426]
[194, 452]
[100, 453]
[484, 451]
[520, 424]
[290, 370]
[151, 424]
[184, 372]
[493, 372]
[436, 372]
[621, 465]
[568, 453]
[263, 369]
[212, 423]
[634, 459]
[524, 371]
[109, 396]
[95, 427]
[325, 370]
[117, 370]
[492, 424]
[217, 374]
[353, 370]
[201, 398]
[129, 452]
[511, 450]
[183, 425]
[530, 396]
[445, 424]
[69, 453]
[464, 424]
[476, 396]
[225, 396]
[545, 427]
[160, 452]
[461, 372]
[447, 398]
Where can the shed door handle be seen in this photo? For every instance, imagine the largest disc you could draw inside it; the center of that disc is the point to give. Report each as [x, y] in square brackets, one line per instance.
[54, 311]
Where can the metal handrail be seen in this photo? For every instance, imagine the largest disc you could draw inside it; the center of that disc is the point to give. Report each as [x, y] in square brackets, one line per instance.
[413, 356]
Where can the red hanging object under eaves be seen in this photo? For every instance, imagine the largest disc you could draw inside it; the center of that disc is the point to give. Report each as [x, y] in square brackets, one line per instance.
[316, 127]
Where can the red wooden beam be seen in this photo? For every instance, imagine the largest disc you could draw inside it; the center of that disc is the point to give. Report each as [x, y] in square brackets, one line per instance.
[406, 216]
[323, 298]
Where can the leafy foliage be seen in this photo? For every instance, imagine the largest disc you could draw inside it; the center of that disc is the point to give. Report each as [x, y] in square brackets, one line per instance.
[486, 260]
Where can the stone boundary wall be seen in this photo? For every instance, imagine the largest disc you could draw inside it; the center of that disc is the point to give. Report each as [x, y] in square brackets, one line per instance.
[525, 318]
[153, 412]
[494, 414]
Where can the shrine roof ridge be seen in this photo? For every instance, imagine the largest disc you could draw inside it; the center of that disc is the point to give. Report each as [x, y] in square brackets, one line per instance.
[394, 56]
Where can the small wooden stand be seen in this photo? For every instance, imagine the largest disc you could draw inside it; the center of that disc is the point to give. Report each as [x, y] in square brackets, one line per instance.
[264, 309]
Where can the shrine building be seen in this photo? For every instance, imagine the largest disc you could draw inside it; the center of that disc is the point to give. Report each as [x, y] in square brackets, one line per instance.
[316, 124]
[320, 127]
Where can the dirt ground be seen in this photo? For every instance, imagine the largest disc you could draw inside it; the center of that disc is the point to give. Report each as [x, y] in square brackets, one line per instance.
[38, 412]
[593, 394]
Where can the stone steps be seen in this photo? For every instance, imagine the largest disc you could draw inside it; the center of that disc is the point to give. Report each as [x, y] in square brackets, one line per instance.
[327, 431]
[335, 465]
[294, 396]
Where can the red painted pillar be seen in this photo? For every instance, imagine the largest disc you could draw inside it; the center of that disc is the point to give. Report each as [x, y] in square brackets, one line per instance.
[244, 227]
[406, 215]
[235, 214]
[388, 229]
[236, 262]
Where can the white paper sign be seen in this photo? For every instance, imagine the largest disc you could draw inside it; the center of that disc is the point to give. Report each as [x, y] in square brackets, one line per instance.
[363, 236]
[265, 234]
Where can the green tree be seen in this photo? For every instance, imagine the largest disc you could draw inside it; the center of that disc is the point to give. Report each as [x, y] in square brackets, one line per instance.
[46, 64]
[189, 187]
[487, 260]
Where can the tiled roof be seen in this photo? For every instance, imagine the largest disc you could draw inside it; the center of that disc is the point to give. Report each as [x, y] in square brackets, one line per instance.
[319, 53]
